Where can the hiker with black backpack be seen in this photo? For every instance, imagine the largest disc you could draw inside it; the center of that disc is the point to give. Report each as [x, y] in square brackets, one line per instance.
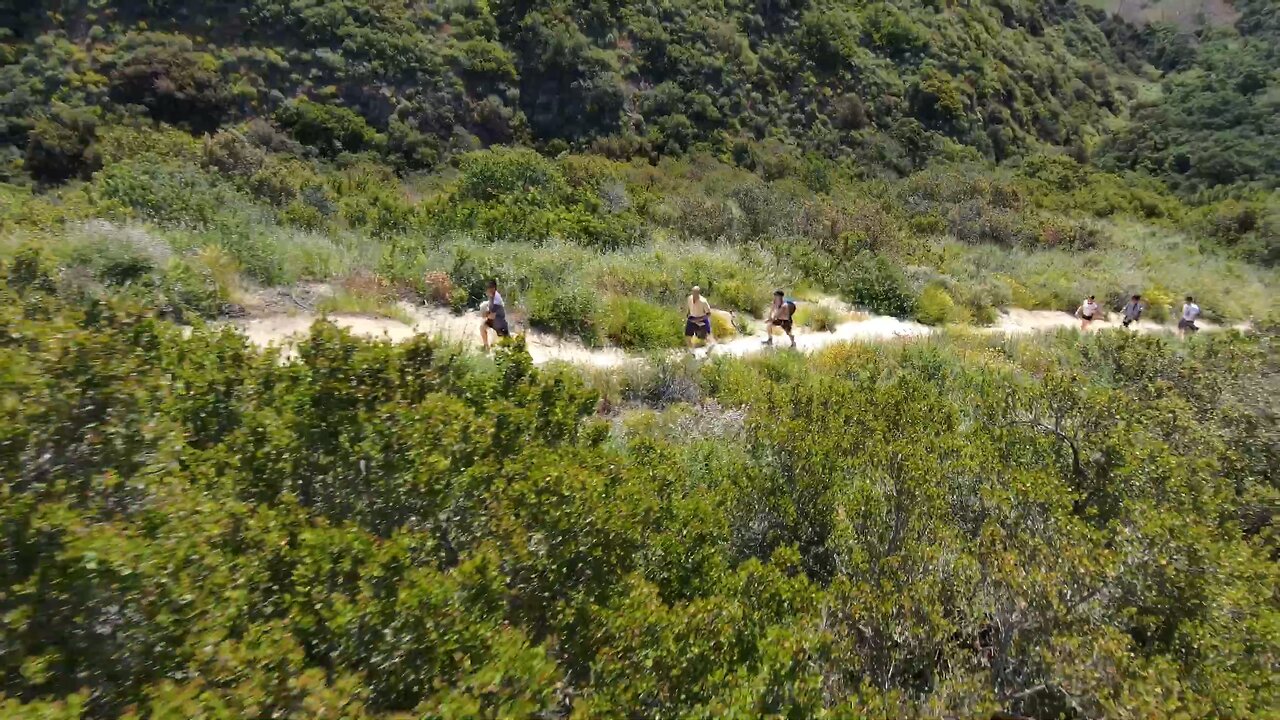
[780, 315]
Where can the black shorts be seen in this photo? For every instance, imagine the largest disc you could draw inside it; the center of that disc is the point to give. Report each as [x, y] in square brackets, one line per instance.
[498, 325]
[1187, 325]
[1087, 318]
[1126, 322]
[784, 324]
[700, 327]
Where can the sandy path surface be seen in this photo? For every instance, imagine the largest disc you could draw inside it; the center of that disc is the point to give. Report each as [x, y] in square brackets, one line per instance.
[283, 330]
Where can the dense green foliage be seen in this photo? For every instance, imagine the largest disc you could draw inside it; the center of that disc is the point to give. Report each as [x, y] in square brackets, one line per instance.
[192, 529]
[1053, 527]
[886, 81]
[1213, 124]
[848, 148]
[891, 84]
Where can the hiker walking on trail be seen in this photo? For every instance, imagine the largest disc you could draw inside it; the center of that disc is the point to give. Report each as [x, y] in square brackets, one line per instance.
[780, 314]
[698, 322]
[1087, 312]
[1187, 323]
[1132, 310]
[495, 315]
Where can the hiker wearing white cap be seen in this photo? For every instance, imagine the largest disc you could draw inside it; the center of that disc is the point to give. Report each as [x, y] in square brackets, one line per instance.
[698, 322]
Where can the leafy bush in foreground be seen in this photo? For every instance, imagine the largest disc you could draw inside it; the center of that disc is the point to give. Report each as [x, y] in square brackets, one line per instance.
[194, 529]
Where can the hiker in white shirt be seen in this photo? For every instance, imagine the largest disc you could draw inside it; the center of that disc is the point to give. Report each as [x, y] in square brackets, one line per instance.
[698, 322]
[1087, 312]
[1132, 310]
[1187, 323]
[494, 315]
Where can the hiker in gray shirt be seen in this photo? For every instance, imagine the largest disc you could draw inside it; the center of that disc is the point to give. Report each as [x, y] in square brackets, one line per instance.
[1133, 310]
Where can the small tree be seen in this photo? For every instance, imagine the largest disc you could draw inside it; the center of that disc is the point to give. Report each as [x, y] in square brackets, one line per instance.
[61, 146]
[328, 128]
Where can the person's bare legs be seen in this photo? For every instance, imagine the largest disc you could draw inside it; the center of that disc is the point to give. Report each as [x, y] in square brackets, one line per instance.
[484, 336]
[768, 331]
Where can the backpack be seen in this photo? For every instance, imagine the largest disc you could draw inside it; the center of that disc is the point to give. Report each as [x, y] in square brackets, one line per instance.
[791, 308]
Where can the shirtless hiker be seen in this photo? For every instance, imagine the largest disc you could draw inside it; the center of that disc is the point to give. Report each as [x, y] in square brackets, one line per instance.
[698, 322]
[780, 315]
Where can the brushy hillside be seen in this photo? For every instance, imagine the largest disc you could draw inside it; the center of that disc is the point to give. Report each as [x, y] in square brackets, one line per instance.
[884, 81]
[1062, 526]
[1049, 527]
[890, 84]
[601, 158]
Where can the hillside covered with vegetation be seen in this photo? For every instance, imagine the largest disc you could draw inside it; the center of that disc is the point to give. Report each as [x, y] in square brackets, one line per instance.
[1055, 526]
[601, 158]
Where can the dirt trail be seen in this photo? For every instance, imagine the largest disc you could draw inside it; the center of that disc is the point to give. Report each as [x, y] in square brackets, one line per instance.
[284, 329]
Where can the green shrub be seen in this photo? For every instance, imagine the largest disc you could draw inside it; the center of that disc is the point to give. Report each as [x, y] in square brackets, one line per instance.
[875, 283]
[985, 315]
[750, 295]
[574, 311]
[638, 325]
[120, 260]
[459, 298]
[722, 325]
[372, 530]
[172, 195]
[187, 289]
[977, 221]
[174, 82]
[331, 129]
[148, 144]
[516, 195]
[501, 172]
[935, 306]
[61, 146]
[818, 316]
[31, 268]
